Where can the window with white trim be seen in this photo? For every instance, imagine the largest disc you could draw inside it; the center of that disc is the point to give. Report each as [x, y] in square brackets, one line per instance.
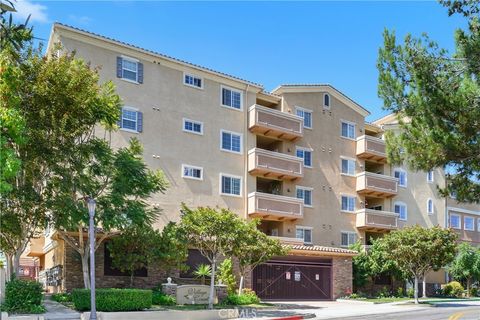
[348, 130]
[304, 233]
[348, 238]
[478, 224]
[231, 98]
[326, 101]
[430, 208]
[468, 223]
[454, 221]
[131, 119]
[192, 126]
[348, 167]
[401, 175]
[348, 203]
[129, 69]
[230, 185]
[305, 194]
[231, 141]
[192, 172]
[401, 209]
[193, 81]
[306, 115]
[306, 155]
[430, 176]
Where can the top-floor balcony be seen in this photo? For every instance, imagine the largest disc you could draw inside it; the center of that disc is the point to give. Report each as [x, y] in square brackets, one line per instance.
[274, 123]
[371, 148]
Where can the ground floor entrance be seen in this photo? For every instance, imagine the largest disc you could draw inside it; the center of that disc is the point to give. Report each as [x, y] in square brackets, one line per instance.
[294, 278]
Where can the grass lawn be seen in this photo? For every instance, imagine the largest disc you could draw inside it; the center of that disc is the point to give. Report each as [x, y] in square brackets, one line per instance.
[384, 300]
[424, 301]
[187, 307]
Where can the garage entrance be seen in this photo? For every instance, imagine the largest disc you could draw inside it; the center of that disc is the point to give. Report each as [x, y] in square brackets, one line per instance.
[294, 278]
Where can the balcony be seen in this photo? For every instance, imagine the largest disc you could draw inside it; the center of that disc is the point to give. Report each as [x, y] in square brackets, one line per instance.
[376, 185]
[35, 247]
[371, 148]
[288, 240]
[275, 165]
[376, 220]
[274, 207]
[273, 123]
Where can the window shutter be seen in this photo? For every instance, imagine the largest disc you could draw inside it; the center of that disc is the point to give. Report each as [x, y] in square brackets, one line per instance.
[139, 121]
[119, 67]
[140, 72]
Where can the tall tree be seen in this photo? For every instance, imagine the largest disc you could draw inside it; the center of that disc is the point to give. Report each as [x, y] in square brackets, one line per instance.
[466, 265]
[436, 95]
[214, 232]
[417, 250]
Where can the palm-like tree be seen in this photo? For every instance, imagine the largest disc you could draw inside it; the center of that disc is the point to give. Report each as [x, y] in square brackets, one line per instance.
[203, 271]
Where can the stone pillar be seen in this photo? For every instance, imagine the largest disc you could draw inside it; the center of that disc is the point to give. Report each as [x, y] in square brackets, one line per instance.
[221, 292]
[342, 276]
[169, 288]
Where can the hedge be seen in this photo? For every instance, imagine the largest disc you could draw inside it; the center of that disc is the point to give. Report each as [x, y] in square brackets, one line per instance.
[160, 298]
[113, 299]
[23, 296]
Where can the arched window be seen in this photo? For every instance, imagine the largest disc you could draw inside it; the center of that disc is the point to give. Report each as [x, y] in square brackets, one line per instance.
[430, 206]
[326, 101]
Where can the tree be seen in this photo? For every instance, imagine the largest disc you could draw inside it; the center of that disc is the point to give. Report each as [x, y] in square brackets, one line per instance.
[226, 276]
[436, 95]
[466, 265]
[214, 232]
[361, 266]
[253, 248]
[417, 250]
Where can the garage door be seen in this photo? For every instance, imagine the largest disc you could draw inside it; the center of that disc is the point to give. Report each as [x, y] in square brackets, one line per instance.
[294, 280]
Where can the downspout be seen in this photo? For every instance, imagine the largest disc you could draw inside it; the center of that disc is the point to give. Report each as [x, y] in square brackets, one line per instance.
[446, 214]
[245, 152]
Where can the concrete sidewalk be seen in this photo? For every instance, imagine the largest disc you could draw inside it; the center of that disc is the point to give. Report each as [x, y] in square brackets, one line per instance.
[57, 311]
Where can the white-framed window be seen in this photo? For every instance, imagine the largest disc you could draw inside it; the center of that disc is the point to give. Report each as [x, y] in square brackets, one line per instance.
[401, 209]
[305, 194]
[478, 224]
[348, 129]
[192, 81]
[130, 69]
[230, 185]
[192, 126]
[231, 141]
[454, 221]
[430, 176]
[306, 155]
[430, 208]
[401, 175]
[348, 238]
[348, 166]
[468, 223]
[348, 203]
[306, 115]
[131, 120]
[231, 98]
[304, 233]
[192, 172]
[326, 101]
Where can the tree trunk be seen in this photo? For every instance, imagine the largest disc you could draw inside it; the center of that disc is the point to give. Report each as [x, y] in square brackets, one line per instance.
[85, 270]
[424, 286]
[212, 285]
[16, 263]
[468, 287]
[9, 272]
[240, 287]
[415, 289]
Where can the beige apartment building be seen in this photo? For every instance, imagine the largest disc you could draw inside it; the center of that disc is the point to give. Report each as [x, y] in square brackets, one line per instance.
[301, 158]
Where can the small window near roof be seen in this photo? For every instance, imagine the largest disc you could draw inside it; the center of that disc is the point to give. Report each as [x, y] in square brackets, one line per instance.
[326, 101]
[193, 81]
[231, 98]
[129, 69]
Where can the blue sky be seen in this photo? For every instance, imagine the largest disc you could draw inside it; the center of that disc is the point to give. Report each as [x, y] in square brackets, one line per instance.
[266, 42]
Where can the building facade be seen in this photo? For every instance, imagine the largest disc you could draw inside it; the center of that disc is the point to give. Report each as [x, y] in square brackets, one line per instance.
[301, 158]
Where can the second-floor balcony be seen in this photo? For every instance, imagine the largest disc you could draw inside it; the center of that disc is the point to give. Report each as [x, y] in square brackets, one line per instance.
[274, 207]
[275, 165]
[274, 123]
[35, 247]
[371, 148]
[376, 220]
[376, 185]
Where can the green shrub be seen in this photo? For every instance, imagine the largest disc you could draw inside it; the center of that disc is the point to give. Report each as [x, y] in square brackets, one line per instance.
[383, 293]
[400, 292]
[113, 299]
[247, 297]
[226, 276]
[62, 297]
[473, 292]
[410, 292]
[453, 289]
[23, 296]
[162, 299]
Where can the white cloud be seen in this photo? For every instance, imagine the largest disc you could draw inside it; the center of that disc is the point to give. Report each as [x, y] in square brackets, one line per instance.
[82, 20]
[37, 11]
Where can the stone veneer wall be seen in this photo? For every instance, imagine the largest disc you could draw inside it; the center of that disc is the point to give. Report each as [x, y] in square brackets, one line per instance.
[342, 276]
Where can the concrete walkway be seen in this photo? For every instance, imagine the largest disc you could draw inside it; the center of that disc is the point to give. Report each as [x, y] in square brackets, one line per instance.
[57, 311]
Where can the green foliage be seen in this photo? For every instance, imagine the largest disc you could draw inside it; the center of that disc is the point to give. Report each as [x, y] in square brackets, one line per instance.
[203, 271]
[13, 36]
[453, 289]
[62, 297]
[473, 292]
[23, 296]
[110, 300]
[247, 297]
[161, 299]
[410, 292]
[435, 95]
[466, 264]
[400, 292]
[225, 274]
[361, 265]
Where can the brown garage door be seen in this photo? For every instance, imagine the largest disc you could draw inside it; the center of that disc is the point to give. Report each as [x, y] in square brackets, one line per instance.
[294, 280]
